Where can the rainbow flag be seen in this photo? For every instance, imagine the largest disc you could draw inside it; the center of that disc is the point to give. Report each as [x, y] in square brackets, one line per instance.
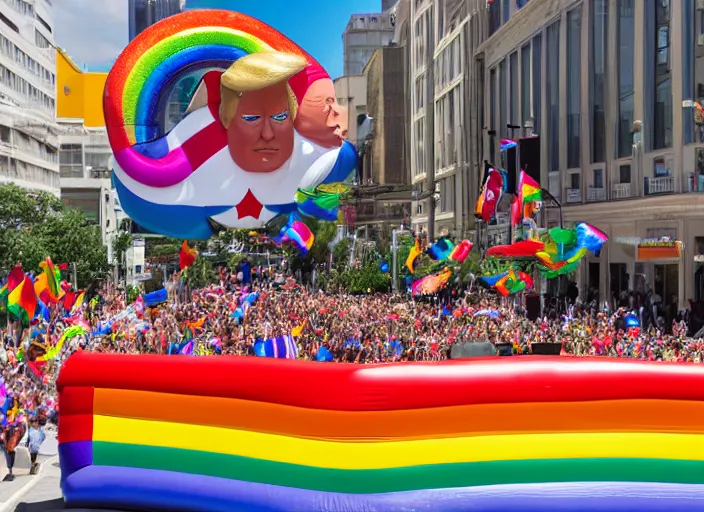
[53, 280]
[13, 280]
[298, 233]
[79, 302]
[516, 212]
[41, 288]
[528, 189]
[22, 301]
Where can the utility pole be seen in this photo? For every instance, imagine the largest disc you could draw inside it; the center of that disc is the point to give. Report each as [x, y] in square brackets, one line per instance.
[74, 276]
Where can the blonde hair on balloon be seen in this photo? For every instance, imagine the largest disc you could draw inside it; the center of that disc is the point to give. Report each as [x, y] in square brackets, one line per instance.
[254, 72]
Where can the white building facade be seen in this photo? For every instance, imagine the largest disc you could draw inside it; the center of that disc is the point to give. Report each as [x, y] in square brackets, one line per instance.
[85, 175]
[28, 132]
[351, 92]
[443, 35]
[364, 34]
[614, 88]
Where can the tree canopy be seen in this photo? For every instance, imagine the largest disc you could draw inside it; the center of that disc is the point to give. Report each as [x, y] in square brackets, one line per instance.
[34, 225]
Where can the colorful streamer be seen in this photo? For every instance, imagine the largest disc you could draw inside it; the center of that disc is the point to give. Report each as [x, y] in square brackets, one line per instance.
[431, 284]
[412, 255]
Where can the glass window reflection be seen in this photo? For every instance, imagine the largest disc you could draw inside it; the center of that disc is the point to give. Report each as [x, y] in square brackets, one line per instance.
[574, 85]
[553, 95]
[626, 32]
[597, 66]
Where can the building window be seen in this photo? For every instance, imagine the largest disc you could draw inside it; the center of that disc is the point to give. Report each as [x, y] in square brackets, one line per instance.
[598, 178]
[71, 161]
[626, 41]
[553, 95]
[574, 181]
[447, 194]
[494, 17]
[420, 146]
[492, 113]
[536, 56]
[502, 99]
[44, 23]
[7, 22]
[505, 10]
[689, 49]
[420, 93]
[515, 118]
[661, 132]
[624, 173]
[597, 78]
[86, 200]
[98, 161]
[574, 86]
[525, 85]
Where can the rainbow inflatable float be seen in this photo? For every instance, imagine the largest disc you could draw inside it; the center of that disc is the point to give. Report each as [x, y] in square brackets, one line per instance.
[506, 434]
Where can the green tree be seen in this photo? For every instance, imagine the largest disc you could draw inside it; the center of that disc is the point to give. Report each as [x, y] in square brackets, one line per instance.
[202, 273]
[341, 254]
[34, 225]
[120, 245]
[368, 279]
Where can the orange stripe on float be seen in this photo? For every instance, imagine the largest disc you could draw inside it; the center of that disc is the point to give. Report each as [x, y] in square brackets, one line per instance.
[667, 416]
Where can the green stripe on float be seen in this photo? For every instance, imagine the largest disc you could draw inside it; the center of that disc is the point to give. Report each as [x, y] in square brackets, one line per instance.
[397, 479]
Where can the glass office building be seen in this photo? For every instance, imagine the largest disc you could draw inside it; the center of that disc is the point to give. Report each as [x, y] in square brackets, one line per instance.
[144, 13]
[615, 89]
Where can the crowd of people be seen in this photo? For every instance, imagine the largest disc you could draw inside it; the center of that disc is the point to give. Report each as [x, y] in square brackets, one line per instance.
[231, 317]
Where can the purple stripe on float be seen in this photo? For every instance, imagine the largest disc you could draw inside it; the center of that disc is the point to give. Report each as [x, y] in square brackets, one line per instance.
[75, 456]
[117, 487]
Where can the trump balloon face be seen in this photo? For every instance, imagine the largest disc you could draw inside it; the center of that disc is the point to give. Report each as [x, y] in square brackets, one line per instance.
[260, 136]
[257, 131]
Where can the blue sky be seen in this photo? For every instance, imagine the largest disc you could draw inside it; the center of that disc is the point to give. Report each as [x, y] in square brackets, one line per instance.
[94, 32]
[317, 27]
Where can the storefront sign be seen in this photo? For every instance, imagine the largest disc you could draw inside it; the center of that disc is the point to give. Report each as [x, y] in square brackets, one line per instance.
[659, 250]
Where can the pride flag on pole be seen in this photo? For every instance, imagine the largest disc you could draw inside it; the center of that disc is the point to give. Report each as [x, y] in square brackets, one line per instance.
[22, 301]
[53, 280]
[13, 281]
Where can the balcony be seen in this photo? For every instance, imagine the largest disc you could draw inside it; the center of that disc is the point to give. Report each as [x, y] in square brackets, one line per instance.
[99, 173]
[695, 183]
[621, 191]
[573, 195]
[596, 194]
[664, 185]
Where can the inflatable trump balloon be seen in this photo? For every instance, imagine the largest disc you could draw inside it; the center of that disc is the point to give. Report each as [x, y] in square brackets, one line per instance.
[262, 134]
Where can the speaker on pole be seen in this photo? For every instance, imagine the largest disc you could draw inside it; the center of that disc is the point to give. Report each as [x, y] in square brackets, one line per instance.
[532, 306]
[529, 150]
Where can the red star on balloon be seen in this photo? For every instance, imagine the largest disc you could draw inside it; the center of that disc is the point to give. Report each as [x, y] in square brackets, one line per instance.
[249, 206]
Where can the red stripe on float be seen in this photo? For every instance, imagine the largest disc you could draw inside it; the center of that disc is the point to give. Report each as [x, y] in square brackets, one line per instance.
[390, 387]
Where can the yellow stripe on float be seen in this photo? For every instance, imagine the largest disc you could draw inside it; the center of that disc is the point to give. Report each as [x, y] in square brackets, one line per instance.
[380, 455]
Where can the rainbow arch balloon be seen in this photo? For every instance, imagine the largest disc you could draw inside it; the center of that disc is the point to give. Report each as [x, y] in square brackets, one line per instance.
[141, 76]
